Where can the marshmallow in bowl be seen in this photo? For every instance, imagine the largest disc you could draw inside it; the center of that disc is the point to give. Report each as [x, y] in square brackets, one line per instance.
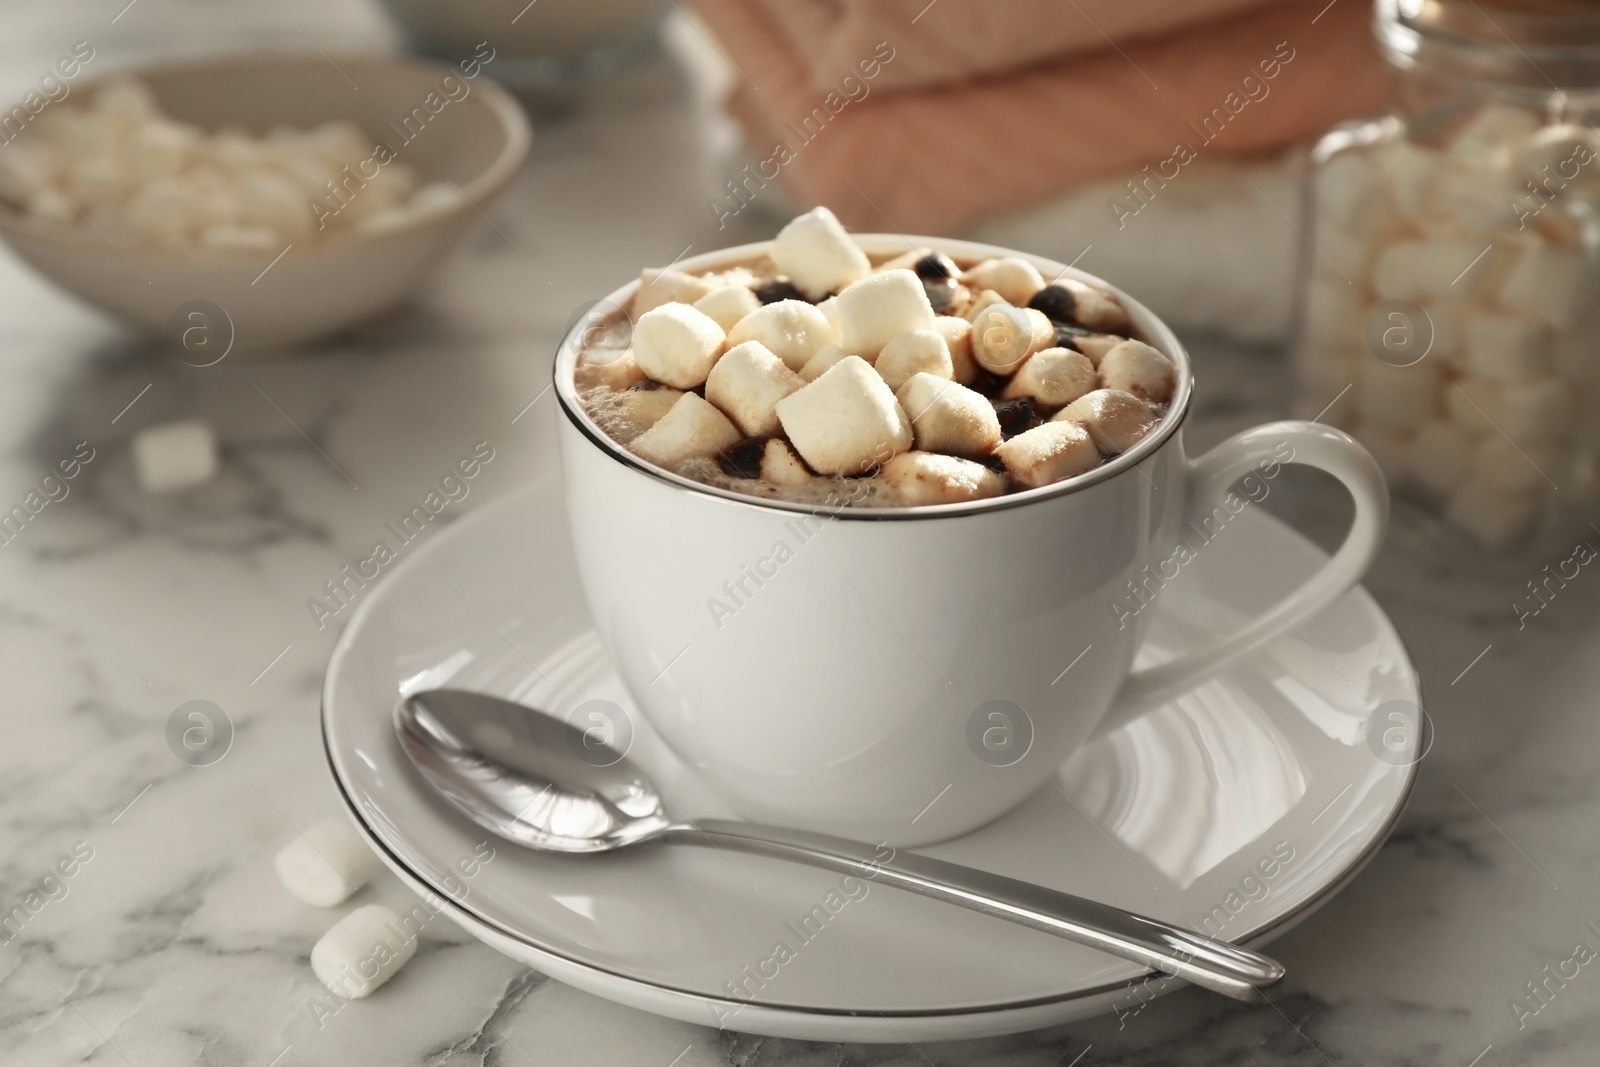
[947, 417]
[880, 307]
[676, 345]
[1055, 377]
[819, 364]
[781, 465]
[325, 865]
[818, 255]
[847, 421]
[1014, 278]
[1069, 300]
[747, 383]
[929, 478]
[793, 330]
[726, 306]
[691, 427]
[957, 334]
[1048, 454]
[1115, 420]
[1137, 368]
[1004, 336]
[914, 352]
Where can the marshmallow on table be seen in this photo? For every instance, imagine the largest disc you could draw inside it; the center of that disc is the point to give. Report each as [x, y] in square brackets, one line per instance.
[677, 345]
[645, 403]
[1497, 520]
[1137, 368]
[325, 865]
[780, 464]
[947, 417]
[1015, 279]
[1003, 336]
[1069, 300]
[692, 427]
[879, 308]
[819, 364]
[363, 950]
[747, 383]
[847, 421]
[1507, 348]
[1550, 282]
[1048, 454]
[792, 330]
[957, 334]
[919, 478]
[1115, 420]
[657, 287]
[726, 306]
[174, 456]
[1054, 377]
[1398, 397]
[1440, 457]
[818, 255]
[920, 351]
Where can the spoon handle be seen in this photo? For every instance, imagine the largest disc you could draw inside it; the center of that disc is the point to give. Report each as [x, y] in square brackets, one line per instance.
[1216, 965]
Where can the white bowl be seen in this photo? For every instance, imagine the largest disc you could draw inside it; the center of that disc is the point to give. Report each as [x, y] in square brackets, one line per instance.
[317, 287]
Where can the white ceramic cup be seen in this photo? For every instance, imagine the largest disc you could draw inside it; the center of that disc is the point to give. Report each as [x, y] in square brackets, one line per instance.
[896, 674]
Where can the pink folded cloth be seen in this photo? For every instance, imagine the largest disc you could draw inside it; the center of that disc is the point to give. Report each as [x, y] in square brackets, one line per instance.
[947, 40]
[937, 158]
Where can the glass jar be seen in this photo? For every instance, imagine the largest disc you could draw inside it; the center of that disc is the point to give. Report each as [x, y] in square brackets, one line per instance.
[1448, 316]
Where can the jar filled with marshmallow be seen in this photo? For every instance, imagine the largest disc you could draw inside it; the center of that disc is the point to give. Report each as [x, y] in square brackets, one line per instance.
[1450, 305]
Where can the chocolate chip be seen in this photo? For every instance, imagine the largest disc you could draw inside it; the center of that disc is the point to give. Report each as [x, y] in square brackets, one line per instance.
[775, 289]
[940, 294]
[1057, 303]
[936, 267]
[1067, 335]
[1017, 416]
[743, 460]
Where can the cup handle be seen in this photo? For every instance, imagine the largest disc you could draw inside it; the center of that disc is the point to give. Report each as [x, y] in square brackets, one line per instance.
[1210, 477]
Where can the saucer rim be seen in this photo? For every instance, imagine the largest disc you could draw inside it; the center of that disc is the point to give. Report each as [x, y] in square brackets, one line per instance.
[464, 915]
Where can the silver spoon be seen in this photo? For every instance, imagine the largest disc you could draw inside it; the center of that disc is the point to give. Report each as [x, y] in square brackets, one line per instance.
[535, 780]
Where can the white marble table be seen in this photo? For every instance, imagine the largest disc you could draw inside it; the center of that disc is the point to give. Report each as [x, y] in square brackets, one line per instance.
[173, 944]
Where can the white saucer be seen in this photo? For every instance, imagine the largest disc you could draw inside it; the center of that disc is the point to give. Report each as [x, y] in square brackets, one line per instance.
[1177, 815]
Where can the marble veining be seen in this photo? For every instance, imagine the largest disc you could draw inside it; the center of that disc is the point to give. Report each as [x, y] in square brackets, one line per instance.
[172, 944]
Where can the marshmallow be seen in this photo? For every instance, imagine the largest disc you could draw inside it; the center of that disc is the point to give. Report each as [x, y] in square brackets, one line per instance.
[1474, 405]
[1352, 194]
[1335, 315]
[919, 478]
[364, 950]
[1413, 270]
[667, 286]
[325, 865]
[676, 344]
[1116, 421]
[875, 310]
[747, 383]
[792, 330]
[1537, 411]
[1003, 336]
[618, 374]
[1478, 196]
[1497, 520]
[781, 466]
[1550, 282]
[1049, 453]
[647, 402]
[830, 311]
[912, 353]
[174, 456]
[1069, 300]
[726, 306]
[817, 254]
[1507, 347]
[1054, 377]
[1513, 468]
[1440, 457]
[1093, 345]
[1408, 168]
[1576, 356]
[981, 302]
[946, 417]
[1449, 321]
[847, 421]
[1015, 279]
[240, 238]
[957, 334]
[1137, 368]
[691, 427]
[1491, 129]
[1398, 397]
[819, 364]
